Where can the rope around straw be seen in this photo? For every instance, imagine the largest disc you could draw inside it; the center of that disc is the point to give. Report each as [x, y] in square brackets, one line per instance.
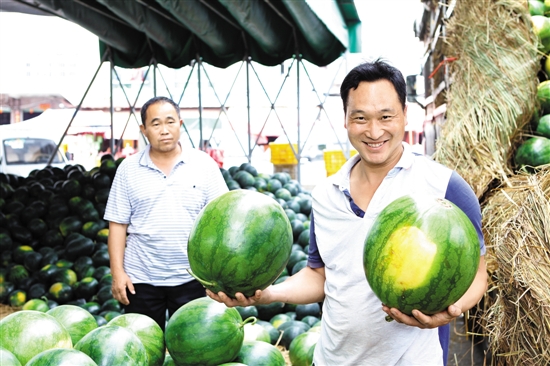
[492, 95]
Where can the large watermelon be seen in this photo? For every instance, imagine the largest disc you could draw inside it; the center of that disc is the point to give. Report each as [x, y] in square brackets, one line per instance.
[61, 357]
[240, 242]
[299, 348]
[534, 152]
[75, 319]
[26, 333]
[204, 332]
[113, 345]
[421, 253]
[258, 353]
[148, 331]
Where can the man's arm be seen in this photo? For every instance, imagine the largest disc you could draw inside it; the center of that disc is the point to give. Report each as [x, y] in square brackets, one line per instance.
[117, 245]
[305, 287]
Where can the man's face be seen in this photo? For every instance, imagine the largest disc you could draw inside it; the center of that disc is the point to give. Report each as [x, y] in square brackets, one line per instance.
[162, 127]
[375, 122]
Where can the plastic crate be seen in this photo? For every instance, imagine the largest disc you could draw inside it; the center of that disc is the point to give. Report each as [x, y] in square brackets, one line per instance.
[281, 154]
[334, 159]
[291, 169]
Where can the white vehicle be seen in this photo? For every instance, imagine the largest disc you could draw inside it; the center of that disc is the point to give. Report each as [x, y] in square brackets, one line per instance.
[25, 147]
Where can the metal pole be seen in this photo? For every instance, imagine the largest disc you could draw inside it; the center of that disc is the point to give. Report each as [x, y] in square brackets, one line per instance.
[248, 106]
[112, 106]
[103, 58]
[155, 79]
[299, 152]
[200, 100]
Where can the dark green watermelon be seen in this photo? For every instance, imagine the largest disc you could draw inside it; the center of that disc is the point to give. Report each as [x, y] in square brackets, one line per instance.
[240, 242]
[533, 152]
[204, 332]
[113, 345]
[436, 245]
[61, 357]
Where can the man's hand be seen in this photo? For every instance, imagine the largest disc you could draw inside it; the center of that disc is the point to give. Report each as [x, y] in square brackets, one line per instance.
[424, 321]
[121, 281]
[240, 299]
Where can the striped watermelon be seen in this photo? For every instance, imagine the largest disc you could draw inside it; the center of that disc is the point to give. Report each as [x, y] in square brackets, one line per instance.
[204, 332]
[61, 357]
[240, 242]
[113, 345]
[148, 331]
[75, 319]
[258, 353]
[26, 333]
[421, 254]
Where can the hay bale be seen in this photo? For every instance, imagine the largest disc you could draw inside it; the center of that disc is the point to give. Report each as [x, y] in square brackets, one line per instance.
[517, 234]
[494, 84]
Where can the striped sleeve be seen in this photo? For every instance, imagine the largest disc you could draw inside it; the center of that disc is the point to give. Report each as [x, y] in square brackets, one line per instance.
[118, 207]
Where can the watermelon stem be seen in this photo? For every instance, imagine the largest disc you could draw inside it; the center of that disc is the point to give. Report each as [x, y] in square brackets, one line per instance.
[252, 319]
[203, 282]
[389, 318]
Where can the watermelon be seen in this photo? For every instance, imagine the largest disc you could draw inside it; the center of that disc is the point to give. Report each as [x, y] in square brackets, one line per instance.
[247, 311]
[61, 357]
[26, 333]
[240, 242]
[113, 345]
[299, 348]
[541, 26]
[204, 332]
[304, 310]
[271, 330]
[36, 304]
[61, 292]
[416, 248]
[543, 89]
[279, 319]
[543, 127]
[17, 298]
[536, 7]
[533, 152]
[291, 330]
[75, 319]
[258, 353]
[8, 358]
[148, 331]
[256, 332]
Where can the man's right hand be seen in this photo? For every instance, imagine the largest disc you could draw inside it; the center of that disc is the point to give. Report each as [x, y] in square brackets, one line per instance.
[121, 281]
[240, 300]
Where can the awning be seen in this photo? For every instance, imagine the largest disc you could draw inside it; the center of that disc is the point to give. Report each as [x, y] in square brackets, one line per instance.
[220, 32]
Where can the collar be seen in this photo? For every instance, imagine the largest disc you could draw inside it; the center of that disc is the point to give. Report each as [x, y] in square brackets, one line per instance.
[145, 158]
[341, 178]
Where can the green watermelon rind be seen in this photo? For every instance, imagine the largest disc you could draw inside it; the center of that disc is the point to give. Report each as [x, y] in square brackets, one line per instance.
[204, 332]
[458, 248]
[240, 242]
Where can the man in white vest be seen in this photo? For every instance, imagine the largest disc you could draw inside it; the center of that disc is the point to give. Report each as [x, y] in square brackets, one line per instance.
[354, 330]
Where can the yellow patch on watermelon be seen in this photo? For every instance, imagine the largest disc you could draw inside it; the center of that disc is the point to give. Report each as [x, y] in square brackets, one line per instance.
[411, 256]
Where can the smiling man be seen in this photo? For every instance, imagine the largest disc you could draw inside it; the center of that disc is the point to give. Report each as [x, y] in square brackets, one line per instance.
[154, 200]
[354, 330]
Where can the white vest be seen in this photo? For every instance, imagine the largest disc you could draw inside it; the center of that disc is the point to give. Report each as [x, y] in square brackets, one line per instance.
[354, 330]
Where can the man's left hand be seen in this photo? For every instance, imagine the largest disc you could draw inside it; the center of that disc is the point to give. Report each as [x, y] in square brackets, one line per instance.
[424, 321]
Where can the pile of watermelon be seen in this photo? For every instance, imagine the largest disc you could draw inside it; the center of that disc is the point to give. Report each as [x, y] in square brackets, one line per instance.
[54, 261]
[535, 150]
[53, 239]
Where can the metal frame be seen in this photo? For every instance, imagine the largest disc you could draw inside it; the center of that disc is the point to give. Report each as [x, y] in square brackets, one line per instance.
[199, 67]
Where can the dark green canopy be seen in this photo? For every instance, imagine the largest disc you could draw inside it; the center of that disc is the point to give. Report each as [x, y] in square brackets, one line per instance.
[221, 32]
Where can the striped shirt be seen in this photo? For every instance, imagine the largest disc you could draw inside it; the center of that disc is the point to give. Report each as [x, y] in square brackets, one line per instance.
[160, 211]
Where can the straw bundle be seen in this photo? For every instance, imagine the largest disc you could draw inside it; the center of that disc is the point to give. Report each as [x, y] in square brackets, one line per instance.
[493, 89]
[517, 234]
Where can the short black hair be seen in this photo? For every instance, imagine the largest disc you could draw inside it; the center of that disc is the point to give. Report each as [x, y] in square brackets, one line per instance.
[155, 100]
[374, 71]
